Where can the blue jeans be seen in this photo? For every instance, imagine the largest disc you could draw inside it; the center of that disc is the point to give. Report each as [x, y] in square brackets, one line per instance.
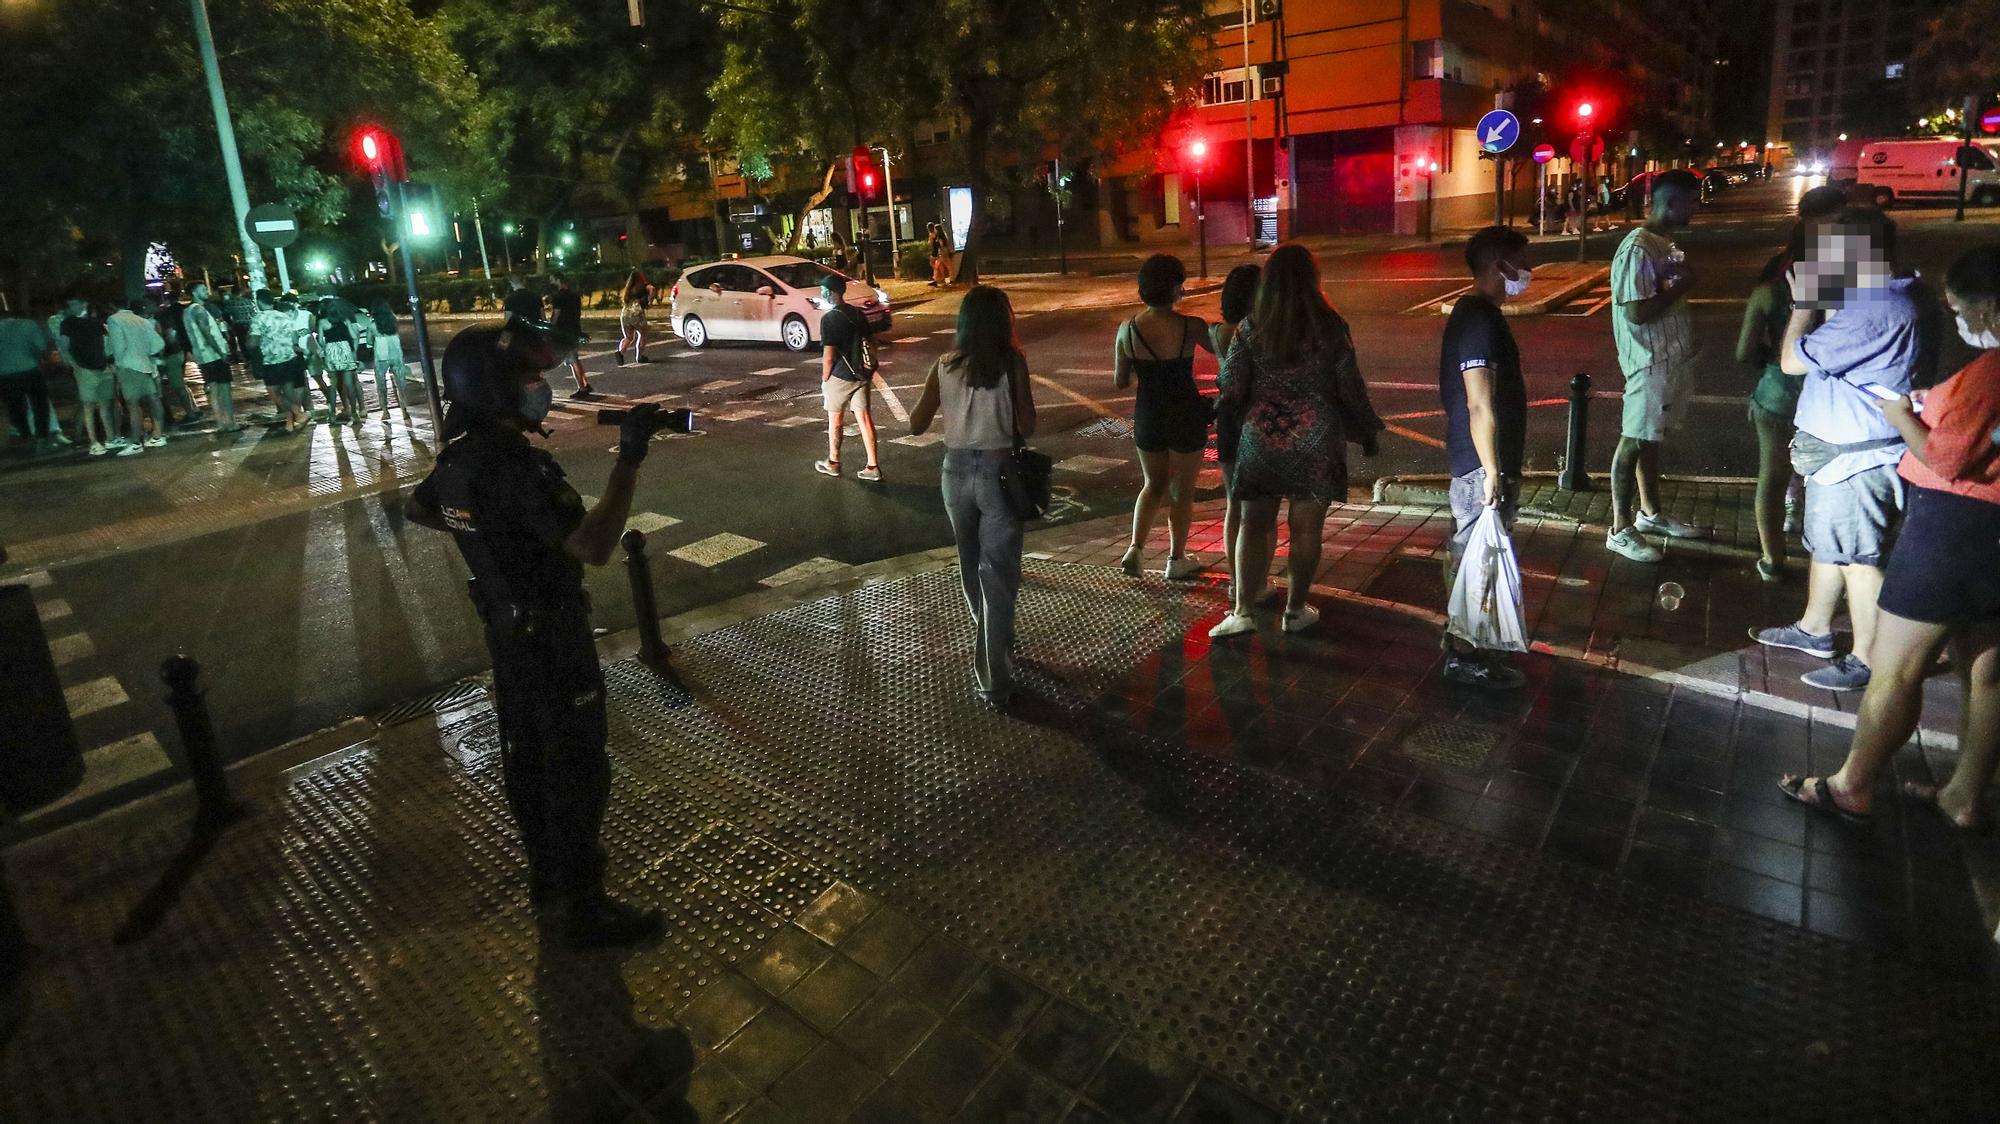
[989, 559]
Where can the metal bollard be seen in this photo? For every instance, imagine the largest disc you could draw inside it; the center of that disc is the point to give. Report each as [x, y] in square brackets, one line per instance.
[652, 650]
[213, 805]
[1573, 477]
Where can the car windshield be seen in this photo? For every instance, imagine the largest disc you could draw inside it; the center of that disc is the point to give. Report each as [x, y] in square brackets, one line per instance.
[800, 274]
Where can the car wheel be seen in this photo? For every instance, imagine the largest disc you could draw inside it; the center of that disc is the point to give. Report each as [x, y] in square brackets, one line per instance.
[1884, 197]
[1986, 197]
[797, 336]
[694, 332]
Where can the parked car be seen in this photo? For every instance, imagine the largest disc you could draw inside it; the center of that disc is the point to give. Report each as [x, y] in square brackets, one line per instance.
[1638, 185]
[767, 299]
[1926, 170]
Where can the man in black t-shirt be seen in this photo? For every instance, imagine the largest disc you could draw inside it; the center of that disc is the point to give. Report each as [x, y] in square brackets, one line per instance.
[84, 344]
[522, 303]
[1486, 420]
[846, 370]
[566, 314]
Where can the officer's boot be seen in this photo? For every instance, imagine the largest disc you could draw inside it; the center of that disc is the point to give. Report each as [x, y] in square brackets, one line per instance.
[601, 921]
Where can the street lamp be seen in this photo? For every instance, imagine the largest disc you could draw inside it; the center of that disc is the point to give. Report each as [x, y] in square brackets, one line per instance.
[507, 244]
[1430, 169]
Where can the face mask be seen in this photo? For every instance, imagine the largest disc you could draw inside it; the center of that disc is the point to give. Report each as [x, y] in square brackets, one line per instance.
[537, 401]
[1982, 340]
[1516, 286]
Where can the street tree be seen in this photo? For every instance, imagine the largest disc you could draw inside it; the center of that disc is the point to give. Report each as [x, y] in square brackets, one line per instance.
[112, 144]
[1957, 54]
[580, 102]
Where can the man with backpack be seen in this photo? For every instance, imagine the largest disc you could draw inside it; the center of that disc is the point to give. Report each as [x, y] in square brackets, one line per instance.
[847, 366]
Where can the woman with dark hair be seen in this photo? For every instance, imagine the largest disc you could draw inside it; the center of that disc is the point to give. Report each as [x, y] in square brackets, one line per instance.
[387, 343]
[1942, 584]
[1238, 289]
[1170, 424]
[633, 301]
[1770, 408]
[1293, 372]
[980, 389]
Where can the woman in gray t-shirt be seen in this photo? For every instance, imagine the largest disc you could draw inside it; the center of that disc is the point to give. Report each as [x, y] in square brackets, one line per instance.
[980, 390]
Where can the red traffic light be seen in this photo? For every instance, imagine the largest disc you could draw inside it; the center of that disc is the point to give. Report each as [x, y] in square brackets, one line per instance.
[380, 152]
[1198, 149]
[864, 171]
[1584, 110]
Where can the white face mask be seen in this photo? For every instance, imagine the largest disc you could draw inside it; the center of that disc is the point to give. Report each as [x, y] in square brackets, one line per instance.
[1518, 284]
[1982, 340]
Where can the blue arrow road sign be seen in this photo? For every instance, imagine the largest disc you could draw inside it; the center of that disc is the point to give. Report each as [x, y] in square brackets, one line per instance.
[1498, 131]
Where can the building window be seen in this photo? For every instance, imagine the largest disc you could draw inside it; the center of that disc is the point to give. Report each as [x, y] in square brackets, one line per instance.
[1798, 86]
[1170, 200]
[1223, 88]
[1798, 107]
[1427, 58]
[1892, 70]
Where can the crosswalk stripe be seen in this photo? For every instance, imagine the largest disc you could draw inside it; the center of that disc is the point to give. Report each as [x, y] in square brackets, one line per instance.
[889, 395]
[55, 608]
[716, 549]
[69, 649]
[96, 695]
[768, 371]
[647, 522]
[35, 579]
[793, 421]
[1083, 462]
[810, 568]
[918, 440]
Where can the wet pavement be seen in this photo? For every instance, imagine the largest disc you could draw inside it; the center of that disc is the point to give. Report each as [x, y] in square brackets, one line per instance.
[1296, 878]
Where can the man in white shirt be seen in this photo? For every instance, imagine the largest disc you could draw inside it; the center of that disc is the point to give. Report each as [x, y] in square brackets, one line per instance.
[135, 344]
[278, 333]
[208, 342]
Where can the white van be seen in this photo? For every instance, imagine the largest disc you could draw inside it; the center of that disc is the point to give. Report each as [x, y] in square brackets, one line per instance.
[1919, 171]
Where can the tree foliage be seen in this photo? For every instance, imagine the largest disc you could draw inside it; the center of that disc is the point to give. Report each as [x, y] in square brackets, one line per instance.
[112, 143]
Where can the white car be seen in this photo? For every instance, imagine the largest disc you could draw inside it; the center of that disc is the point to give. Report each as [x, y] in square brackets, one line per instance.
[763, 299]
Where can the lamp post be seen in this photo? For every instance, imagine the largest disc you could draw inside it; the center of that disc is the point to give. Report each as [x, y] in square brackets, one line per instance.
[507, 244]
[1584, 112]
[1198, 151]
[232, 164]
[889, 195]
[1430, 170]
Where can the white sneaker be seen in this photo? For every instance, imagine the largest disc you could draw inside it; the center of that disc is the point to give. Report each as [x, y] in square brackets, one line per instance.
[155, 441]
[1235, 624]
[116, 443]
[1300, 621]
[97, 450]
[1183, 568]
[1667, 525]
[130, 451]
[1630, 543]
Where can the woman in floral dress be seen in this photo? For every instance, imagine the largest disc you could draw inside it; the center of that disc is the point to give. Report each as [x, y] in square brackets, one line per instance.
[1292, 377]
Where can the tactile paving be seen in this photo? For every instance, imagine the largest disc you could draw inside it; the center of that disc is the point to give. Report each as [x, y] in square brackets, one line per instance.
[1461, 745]
[366, 951]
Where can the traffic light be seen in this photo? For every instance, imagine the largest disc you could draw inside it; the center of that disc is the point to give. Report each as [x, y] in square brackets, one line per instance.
[865, 175]
[381, 154]
[1584, 111]
[1197, 150]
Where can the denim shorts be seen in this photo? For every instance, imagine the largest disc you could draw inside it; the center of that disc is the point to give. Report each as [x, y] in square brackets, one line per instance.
[1853, 523]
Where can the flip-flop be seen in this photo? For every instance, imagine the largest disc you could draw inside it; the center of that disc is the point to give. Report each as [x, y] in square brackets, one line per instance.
[1917, 792]
[1823, 801]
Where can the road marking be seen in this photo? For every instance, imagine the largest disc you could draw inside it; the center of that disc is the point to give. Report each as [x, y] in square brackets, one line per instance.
[1382, 280]
[1087, 463]
[918, 440]
[96, 695]
[1419, 438]
[129, 758]
[647, 522]
[1106, 371]
[1693, 399]
[792, 421]
[768, 371]
[1402, 385]
[1438, 300]
[716, 549]
[895, 404]
[716, 384]
[810, 568]
[69, 649]
[952, 331]
[736, 415]
[36, 579]
[55, 608]
[1073, 396]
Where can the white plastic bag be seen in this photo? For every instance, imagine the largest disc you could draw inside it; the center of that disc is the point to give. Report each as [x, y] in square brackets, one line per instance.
[1486, 596]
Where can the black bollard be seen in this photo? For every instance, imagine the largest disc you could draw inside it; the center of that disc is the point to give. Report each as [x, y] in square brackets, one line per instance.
[1574, 478]
[213, 805]
[652, 651]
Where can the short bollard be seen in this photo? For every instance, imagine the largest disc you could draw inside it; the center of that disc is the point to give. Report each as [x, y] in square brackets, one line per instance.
[1573, 477]
[213, 805]
[652, 650]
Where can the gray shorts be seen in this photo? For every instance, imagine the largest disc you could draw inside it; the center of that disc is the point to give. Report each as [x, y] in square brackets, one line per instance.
[1853, 523]
[1656, 399]
[839, 395]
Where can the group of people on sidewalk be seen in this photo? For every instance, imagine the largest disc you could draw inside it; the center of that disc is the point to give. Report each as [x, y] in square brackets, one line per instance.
[130, 365]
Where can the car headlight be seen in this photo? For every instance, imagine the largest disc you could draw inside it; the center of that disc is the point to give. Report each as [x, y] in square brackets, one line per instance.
[821, 303]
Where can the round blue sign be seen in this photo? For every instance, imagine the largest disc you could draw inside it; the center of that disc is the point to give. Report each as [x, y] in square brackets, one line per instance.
[1498, 131]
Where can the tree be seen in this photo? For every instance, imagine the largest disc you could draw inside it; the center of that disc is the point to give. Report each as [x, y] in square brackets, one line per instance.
[581, 102]
[112, 143]
[1957, 54]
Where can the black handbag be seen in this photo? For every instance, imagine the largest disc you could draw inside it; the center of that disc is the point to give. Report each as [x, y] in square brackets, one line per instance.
[1026, 479]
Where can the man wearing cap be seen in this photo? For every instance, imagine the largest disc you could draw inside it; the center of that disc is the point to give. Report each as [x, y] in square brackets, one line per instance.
[526, 536]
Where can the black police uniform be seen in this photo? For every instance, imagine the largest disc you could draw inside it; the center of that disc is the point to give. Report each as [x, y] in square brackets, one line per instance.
[510, 510]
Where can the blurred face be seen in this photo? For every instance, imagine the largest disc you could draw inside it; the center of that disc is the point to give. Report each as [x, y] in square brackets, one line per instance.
[1978, 315]
[199, 292]
[75, 307]
[1850, 254]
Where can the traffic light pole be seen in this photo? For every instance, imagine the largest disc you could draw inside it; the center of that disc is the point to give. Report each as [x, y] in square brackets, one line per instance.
[889, 193]
[417, 316]
[1201, 223]
[232, 164]
[1055, 189]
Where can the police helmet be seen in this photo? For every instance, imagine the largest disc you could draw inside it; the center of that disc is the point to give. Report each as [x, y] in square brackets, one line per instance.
[486, 366]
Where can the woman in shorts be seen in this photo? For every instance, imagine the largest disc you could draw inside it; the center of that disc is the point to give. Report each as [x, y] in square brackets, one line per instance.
[633, 301]
[1237, 290]
[1156, 349]
[1942, 584]
[388, 347]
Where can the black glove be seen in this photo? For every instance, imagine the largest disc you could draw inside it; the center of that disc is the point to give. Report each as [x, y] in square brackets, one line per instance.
[635, 433]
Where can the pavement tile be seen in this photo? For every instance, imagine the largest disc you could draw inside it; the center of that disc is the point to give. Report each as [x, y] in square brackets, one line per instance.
[937, 973]
[885, 1028]
[1215, 1103]
[828, 993]
[882, 942]
[768, 1047]
[1066, 1043]
[945, 1068]
[999, 1006]
[722, 1009]
[837, 912]
[1141, 1084]
[785, 959]
[826, 1083]
[1014, 1094]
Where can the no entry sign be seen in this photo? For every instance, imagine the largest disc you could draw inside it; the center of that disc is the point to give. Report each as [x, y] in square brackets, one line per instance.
[272, 226]
[1544, 153]
[1989, 121]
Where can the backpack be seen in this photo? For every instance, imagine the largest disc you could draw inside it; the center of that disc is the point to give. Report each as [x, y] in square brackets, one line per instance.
[862, 363]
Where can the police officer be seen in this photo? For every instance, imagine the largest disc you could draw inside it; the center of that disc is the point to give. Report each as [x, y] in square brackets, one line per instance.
[525, 536]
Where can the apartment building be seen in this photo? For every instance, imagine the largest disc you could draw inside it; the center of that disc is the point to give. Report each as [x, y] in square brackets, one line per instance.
[1826, 54]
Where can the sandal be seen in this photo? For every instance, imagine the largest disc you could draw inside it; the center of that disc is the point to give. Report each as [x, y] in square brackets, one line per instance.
[1822, 798]
[1918, 792]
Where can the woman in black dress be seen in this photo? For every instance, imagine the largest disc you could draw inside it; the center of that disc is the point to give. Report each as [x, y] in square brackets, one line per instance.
[1156, 349]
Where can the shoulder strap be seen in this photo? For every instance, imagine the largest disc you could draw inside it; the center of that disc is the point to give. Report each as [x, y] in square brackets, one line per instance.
[1013, 410]
[1139, 336]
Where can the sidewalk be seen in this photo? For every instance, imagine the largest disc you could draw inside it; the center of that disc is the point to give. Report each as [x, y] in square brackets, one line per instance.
[1293, 879]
